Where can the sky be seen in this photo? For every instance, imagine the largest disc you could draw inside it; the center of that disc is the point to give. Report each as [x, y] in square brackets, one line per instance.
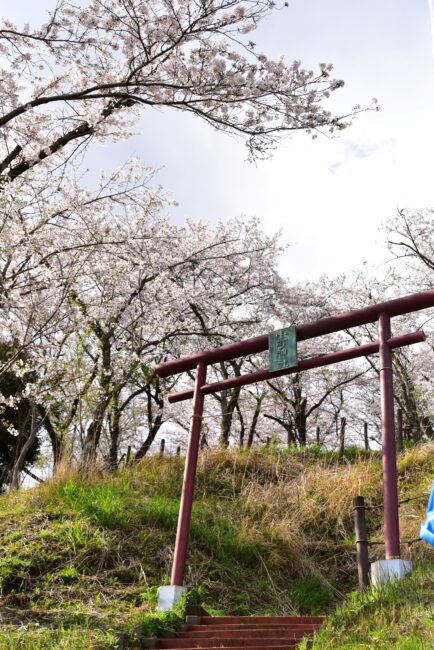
[329, 197]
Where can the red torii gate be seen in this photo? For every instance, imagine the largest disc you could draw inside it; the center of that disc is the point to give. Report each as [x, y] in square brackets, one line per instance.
[381, 312]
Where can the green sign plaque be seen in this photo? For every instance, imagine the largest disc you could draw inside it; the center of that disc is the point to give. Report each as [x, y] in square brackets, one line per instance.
[282, 346]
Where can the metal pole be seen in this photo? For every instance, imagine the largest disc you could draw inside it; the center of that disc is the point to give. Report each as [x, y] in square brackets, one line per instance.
[390, 474]
[361, 542]
[180, 554]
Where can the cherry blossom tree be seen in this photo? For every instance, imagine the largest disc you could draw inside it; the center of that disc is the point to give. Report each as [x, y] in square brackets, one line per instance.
[108, 288]
[300, 402]
[96, 285]
[291, 404]
[88, 69]
[412, 365]
[237, 300]
[19, 425]
[410, 238]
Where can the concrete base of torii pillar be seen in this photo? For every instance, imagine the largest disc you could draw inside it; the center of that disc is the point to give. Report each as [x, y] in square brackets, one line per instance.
[168, 596]
[384, 571]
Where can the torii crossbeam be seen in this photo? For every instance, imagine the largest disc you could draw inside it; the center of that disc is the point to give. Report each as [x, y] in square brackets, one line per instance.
[381, 312]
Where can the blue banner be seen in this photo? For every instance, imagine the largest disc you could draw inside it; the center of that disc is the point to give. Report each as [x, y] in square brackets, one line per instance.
[427, 527]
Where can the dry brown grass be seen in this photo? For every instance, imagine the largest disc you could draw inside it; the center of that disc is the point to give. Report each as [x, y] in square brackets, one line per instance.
[300, 509]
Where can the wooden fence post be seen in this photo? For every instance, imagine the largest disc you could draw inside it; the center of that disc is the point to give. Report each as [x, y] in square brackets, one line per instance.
[267, 442]
[178, 451]
[361, 541]
[318, 439]
[162, 445]
[399, 444]
[365, 435]
[342, 436]
[127, 460]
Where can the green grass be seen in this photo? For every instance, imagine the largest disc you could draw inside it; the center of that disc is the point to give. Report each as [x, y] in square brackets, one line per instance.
[311, 595]
[36, 637]
[272, 533]
[399, 615]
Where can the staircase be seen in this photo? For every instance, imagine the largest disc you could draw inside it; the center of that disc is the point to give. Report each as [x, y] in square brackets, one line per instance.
[240, 632]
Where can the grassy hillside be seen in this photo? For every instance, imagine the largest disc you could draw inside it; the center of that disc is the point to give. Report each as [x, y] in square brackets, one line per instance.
[272, 532]
[398, 616]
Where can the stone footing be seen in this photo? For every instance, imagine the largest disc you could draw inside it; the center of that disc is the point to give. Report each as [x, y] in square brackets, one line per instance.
[168, 596]
[384, 571]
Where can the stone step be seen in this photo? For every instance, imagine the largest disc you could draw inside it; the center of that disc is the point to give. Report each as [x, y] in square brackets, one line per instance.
[195, 629]
[246, 634]
[282, 645]
[242, 632]
[264, 620]
[189, 644]
[268, 642]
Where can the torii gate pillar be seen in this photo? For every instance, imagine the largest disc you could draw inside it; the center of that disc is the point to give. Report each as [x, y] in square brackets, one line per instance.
[392, 568]
[168, 595]
[390, 474]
